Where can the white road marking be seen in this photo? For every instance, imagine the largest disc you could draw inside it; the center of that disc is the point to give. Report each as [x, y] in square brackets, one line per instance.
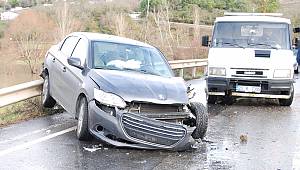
[30, 133]
[27, 144]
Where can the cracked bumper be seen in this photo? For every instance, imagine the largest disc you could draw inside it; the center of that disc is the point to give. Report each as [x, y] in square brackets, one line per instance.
[133, 130]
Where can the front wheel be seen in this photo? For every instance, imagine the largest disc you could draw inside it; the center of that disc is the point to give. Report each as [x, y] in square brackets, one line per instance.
[289, 101]
[200, 112]
[82, 124]
[297, 70]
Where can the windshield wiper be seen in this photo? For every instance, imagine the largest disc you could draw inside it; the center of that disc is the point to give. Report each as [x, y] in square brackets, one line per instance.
[231, 44]
[262, 44]
[142, 71]
[107, 68]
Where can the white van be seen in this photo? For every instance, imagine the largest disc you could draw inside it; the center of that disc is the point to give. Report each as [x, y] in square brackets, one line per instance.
[250, 55]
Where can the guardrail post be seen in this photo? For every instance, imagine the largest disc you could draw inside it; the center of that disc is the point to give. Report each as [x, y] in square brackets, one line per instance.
[194, 72]
[181, 72]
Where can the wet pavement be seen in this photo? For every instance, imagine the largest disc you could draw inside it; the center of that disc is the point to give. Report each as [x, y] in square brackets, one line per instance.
[250, 134]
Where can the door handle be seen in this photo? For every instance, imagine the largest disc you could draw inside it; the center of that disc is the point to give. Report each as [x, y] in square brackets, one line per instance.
[64, 69]
[53, 60]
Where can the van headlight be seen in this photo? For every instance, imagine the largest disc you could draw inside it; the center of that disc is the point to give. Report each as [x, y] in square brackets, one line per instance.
[282, 73]
[109, 99]
[217, 71]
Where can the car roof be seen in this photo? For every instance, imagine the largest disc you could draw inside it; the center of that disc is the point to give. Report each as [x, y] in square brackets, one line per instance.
[110, 38]
[253, 19]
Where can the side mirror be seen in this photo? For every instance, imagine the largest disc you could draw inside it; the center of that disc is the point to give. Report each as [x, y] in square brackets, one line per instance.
[75, 62]
[205, 40]
[297, 43]
[296, 30]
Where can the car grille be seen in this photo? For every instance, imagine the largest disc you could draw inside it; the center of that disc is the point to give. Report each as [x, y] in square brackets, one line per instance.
[151, 108]
[149, 130]
[159, 111]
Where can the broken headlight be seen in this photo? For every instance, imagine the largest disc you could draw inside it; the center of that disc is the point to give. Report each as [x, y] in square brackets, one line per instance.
[109, 99]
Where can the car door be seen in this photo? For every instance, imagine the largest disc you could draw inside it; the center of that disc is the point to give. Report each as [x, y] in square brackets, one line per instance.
[61, 66]
[72, 77]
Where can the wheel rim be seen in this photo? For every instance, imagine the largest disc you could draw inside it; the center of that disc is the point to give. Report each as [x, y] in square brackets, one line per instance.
[80, 119]
[45, 89]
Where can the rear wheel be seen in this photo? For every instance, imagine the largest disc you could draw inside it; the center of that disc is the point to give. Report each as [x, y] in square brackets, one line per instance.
[82, 124]
[211, 99]
[228, 100]
[200, 112]
[289, 101]
[47, 100]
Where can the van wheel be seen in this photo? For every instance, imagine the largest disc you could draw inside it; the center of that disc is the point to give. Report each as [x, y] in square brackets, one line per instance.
[297, 70]
[211, 99]
[82, 123]
[200, 112]
[228, 100]
[289, 101]
[47, 100]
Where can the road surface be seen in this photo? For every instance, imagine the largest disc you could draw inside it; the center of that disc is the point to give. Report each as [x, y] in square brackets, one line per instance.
[270, 140]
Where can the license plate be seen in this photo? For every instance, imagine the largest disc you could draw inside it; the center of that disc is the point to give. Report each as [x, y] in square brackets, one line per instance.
[249, 89]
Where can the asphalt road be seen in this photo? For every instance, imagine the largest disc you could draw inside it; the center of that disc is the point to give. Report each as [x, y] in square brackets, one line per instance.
[272, 132]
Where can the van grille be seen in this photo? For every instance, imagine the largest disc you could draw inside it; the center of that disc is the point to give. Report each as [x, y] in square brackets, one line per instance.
[252, 73]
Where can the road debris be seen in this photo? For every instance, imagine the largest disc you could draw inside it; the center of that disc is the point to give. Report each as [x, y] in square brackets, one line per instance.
[244, 138]
[93, 149]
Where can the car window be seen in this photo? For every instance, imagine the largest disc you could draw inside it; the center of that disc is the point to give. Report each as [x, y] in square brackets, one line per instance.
[68, 46]
[80, 51]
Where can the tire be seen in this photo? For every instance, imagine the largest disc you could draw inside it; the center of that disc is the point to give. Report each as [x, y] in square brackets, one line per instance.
[211, 99]
[297, 70]
[228, 100]
[47, 100]
[289, 101]
[82, 123]
[201, 115]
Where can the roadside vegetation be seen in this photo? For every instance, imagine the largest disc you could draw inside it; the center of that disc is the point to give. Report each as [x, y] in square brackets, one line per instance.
[24, 110]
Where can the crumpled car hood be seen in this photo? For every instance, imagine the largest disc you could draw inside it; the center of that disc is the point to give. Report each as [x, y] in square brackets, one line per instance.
[135, 86]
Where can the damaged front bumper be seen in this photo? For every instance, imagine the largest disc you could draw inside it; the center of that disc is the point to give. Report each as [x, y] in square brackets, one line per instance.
[125, 129]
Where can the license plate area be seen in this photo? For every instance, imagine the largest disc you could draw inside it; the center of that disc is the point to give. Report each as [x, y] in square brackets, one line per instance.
[248, 89]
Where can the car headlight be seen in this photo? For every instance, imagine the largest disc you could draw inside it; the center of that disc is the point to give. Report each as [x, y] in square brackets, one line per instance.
[282, 73]
[109, 99]
[217, 71]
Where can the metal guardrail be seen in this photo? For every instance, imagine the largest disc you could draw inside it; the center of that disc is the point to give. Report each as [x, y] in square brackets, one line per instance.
[193, 63]
[20, 92]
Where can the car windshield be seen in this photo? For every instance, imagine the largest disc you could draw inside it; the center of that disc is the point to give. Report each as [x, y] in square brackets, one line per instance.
[251, 35]
[124, 57]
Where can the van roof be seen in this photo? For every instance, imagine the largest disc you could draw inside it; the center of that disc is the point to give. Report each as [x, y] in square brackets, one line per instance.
[253, 18]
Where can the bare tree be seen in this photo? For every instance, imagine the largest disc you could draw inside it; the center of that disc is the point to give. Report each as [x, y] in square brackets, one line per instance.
[120, 24]
[30, 32]
[65, 20]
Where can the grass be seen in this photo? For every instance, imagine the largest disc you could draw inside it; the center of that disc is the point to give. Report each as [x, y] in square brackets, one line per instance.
[22, 111]
[3, 25]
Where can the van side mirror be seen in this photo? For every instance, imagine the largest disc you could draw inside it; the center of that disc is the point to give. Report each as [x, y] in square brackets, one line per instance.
[75, 62]
[296, 30]
[205, 41]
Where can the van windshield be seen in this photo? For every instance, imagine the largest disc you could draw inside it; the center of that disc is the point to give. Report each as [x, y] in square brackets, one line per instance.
[260, 35]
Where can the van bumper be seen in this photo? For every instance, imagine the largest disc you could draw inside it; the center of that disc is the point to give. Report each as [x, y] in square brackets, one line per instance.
[269, 88]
